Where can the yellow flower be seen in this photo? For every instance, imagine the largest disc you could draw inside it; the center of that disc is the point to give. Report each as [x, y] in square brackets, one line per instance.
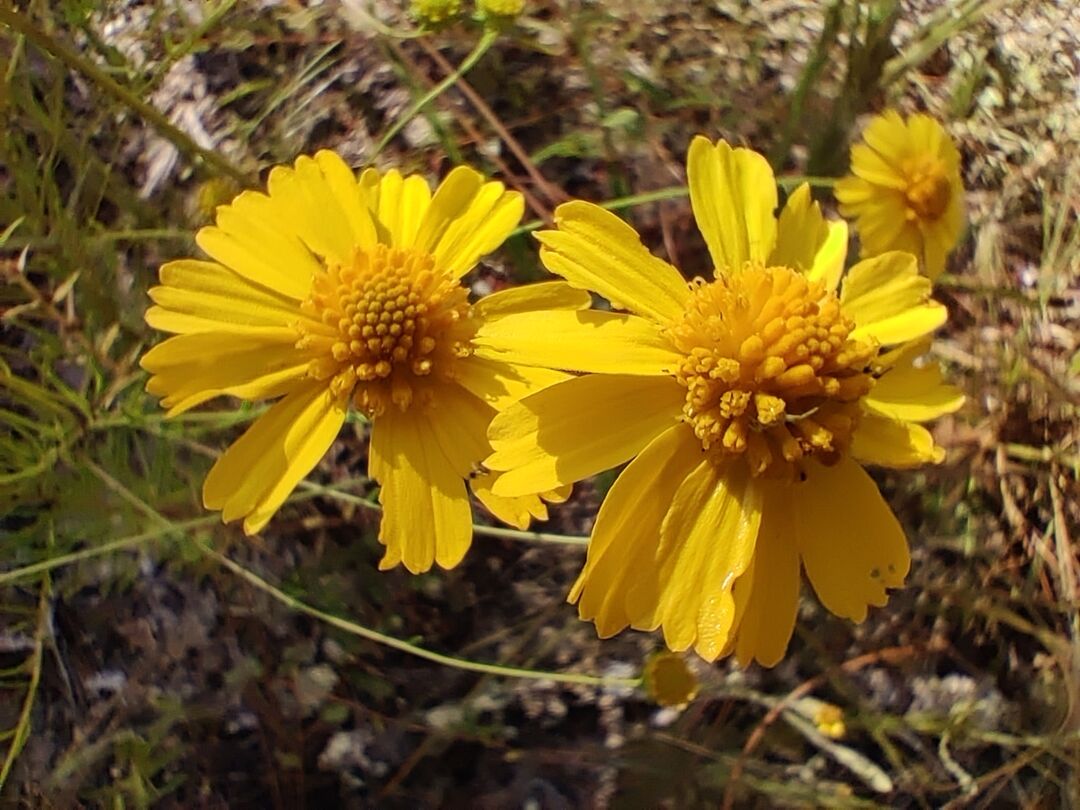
[331, 290]
[905, 191]
[435, 12]
[743, 403]
[501, 8]
[829, 720]
[669, 681]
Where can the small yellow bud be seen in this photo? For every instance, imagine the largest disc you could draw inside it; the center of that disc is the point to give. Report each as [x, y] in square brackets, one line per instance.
[501, 8]
[829, 720]
[669, 681]
[435, 12]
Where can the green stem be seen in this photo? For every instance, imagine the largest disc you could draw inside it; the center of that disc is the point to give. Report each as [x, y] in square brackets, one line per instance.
[1044, 455]
[126, 543]
[123, 544]
[819, 57]
[531, 537]
[949, 20]
[403, 646]
[22, 726]
[467, 64]
[19, 23]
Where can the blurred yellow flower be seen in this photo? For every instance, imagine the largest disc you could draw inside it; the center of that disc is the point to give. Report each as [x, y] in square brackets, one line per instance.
[330, 290]
[829, 720]
[744, 404]
[435, 12]
[669, 681]
[905, 191]
[501, 8]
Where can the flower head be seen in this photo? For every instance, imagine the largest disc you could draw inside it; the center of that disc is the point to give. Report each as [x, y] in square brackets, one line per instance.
[331, 292]
[669, 681]
[744, 402]
[905, 191]
[435, 12]
[505, 9]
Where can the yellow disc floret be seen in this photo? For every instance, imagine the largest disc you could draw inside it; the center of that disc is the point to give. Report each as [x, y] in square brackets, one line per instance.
[928, 188]
[389, 325]
[769, 369]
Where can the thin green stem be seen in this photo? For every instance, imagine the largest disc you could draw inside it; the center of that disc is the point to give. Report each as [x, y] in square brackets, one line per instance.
[404, 646]
[1044, 455]
[138, 421]
[76, 61]
[467, 64]
[949, 20]
[123, 544]
[22, 727]
[531, 537]
[129, 496]
[313, 490]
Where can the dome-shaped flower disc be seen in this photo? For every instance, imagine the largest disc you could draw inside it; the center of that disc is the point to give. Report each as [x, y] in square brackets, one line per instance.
[744, 403]
[331, 292]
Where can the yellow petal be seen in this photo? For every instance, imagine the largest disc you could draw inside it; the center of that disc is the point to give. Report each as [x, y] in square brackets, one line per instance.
[603, 342]
[190, 369]
[452, 197]
[531, 298]
[801, 232]
[851, 192]
[851, 544]
[889, 442]
[499, 383]
[346, 194]
[467, 218]
[768, 618]
[889, 301]
[887, 135]
[706, 541]
[459, 421]
[308, 203]
[873, 168]
[578, 428]
[256, 474]
[925, 134]
[199, 296]
[733, 194]
[828, 264]
[517, 512]
[253, 238]
[942, 235]
[595, 250]
[619, 585]
[369, 183]
[400, 205]
[490, 218]
[913, 393]
[426, 514]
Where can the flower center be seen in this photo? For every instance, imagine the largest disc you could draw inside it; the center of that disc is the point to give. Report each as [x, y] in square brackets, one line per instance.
[770, 372]
[928, 190]
[389, 324]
